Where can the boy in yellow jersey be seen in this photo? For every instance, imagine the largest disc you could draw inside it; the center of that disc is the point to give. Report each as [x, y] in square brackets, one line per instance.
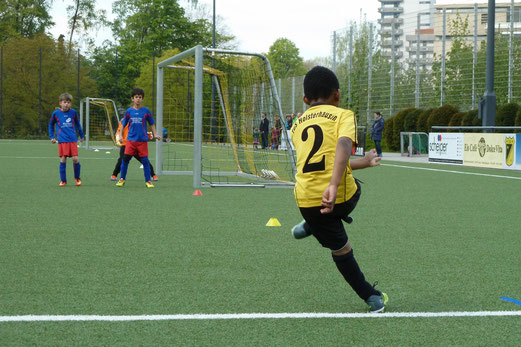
[326, 191]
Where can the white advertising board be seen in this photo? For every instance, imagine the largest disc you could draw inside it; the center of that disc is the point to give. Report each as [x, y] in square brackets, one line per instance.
[446, 147]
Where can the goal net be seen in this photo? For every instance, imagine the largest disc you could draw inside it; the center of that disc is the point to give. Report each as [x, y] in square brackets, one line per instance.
[99, 119]
[414, 143]
[210, 102]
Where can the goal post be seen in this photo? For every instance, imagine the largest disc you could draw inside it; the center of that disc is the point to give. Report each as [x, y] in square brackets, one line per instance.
[414, 143]
[210, 102]
[99, 119]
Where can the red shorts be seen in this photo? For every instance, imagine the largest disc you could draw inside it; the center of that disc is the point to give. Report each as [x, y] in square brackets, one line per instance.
[137, 148]
[68, 149]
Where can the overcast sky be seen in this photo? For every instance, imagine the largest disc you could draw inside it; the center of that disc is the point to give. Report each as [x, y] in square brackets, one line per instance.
[258, 23]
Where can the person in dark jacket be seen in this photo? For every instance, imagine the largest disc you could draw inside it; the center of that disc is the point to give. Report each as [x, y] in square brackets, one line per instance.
[264, 128]
[376, 132]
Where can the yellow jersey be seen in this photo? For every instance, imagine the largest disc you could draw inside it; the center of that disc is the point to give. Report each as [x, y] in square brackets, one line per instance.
[315, 135]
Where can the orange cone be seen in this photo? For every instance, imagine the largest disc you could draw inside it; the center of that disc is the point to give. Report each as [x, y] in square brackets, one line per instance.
[197, 192]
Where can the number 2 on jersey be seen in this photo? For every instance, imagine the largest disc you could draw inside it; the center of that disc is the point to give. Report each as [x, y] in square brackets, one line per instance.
[319, 138]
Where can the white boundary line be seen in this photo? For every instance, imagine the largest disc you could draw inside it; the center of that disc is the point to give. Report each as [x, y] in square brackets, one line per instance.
[226, 316]
[452, 171]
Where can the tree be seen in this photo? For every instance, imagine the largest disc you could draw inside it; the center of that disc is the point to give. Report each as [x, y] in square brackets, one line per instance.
[285, 60]
[23, 18]
[83, 16]
[143, 29]
[21, 112]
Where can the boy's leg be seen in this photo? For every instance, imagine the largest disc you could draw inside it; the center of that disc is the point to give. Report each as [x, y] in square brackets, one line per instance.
[63, 169]
[146, 168]
[117, 168]
[348, 266]
[77, 167]
[152, 172]
[124, 166]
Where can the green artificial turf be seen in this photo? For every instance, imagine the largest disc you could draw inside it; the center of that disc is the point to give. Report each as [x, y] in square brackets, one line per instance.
[435, 241]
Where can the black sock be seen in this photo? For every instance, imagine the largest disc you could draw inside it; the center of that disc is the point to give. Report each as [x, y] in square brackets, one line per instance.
[349, 268]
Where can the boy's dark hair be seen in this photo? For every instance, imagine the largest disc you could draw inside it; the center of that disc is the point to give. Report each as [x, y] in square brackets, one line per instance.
[320, 82]
[138, 91]
[378, 113]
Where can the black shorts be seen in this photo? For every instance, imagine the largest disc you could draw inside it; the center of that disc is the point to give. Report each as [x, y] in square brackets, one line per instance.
[328, 229]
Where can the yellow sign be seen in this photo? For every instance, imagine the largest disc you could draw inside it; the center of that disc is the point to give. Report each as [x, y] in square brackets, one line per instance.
[486, 150]
[509, 150]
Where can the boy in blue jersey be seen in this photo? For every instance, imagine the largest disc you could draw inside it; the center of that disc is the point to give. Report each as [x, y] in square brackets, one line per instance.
[137, 118]
[67, 124]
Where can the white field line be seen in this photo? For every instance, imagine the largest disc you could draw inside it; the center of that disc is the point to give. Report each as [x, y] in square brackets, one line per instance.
[452, 171]
[226, 316]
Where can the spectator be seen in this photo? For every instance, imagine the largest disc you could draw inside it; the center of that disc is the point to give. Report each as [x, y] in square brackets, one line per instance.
[264, 128]
[376, 132]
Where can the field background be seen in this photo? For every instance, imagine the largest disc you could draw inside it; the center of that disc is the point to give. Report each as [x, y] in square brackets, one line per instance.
[435, 241]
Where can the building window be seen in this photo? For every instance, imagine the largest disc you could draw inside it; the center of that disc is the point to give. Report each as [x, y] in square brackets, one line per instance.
[514, 17]
[484, 18]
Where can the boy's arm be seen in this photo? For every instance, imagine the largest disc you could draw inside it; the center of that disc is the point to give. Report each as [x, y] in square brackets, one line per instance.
[343, 153]
[153, 127]
[370, 159]
[51, 129]
[80, 130]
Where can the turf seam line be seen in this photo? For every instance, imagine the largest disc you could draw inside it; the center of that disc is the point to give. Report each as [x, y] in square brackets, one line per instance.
[226, 316]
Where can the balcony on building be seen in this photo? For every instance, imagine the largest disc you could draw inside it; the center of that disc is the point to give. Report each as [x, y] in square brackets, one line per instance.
[387, 31]
[389, 54]
[390, 20]
[388, 42]
[392, 10]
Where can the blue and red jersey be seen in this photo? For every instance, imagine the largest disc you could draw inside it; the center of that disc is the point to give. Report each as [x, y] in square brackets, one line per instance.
[67, 123]
[137, 120]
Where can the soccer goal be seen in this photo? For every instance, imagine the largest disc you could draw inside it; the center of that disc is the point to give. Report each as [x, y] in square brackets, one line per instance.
[210, 102]
[99, 119]
[414, 143]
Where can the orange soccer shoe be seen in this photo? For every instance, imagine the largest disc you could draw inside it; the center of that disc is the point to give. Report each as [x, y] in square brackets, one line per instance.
[78, 182]
[62, 184]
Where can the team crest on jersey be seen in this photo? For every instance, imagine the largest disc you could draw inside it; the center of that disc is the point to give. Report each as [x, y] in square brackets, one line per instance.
[509, 153]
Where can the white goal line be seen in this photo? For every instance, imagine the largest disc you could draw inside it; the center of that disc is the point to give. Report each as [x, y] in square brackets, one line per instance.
[227, 316]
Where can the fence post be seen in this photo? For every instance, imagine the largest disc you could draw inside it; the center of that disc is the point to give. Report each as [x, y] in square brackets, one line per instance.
[160, 131]
[40, 95]
[349, 103]
[334, 51]
[116, 80]
[369, 73]
[443, 40]
[1, 89]
[475, 56]
[391, 97]
[78, 96]
[280, 91]
[293, 94]
[417, 88]
[510, 51]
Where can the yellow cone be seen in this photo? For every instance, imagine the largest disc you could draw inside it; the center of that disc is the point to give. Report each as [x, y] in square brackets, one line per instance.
[273, 222]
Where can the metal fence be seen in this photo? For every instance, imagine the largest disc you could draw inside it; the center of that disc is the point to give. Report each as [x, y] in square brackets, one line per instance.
[412, 65]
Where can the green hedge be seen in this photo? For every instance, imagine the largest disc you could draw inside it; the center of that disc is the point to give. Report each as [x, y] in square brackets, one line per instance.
[506, 114]
[421, 123]
[441, 116]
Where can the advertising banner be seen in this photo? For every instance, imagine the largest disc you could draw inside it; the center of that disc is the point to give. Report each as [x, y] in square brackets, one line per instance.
[446, 147]
[484, 150]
